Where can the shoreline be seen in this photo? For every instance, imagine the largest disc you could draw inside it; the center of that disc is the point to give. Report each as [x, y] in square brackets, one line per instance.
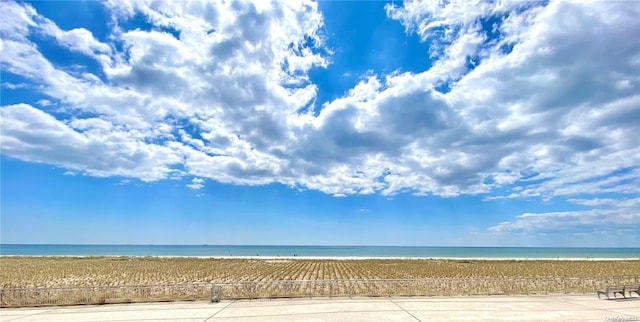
[338, 258]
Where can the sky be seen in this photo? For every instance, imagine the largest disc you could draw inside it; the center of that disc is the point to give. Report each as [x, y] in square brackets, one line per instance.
[435, 123]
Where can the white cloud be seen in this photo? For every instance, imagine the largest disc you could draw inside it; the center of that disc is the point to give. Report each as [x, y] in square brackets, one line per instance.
[196, 184]
[99, 149]
[14, 86]
[16, 20]
[547, 107]
[44, 103]
[609, 216]
[604, 202]
[78, 39]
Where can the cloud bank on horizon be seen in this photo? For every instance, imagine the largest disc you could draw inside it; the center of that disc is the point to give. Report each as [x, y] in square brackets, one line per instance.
[520, 100]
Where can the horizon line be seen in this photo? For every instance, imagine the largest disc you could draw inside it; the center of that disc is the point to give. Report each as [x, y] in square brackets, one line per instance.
[306, 245]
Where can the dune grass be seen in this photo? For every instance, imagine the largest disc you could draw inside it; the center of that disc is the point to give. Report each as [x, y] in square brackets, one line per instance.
[43, 281]
[47, 272]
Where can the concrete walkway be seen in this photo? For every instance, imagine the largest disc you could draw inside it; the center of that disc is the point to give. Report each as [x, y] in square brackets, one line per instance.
[526, 308]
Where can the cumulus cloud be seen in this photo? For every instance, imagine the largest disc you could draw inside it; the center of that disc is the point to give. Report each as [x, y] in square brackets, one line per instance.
[93, 146]
[223, 81]
[78, 39]
[196, 184]
[522, 100]
[613, 217]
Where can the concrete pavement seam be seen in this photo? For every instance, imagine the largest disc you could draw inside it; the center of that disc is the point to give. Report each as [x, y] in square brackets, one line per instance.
[26, 316]
[600, 309]
[146, 319]
[400, 307]
[303, 313]
[285, 304]
[220, 310]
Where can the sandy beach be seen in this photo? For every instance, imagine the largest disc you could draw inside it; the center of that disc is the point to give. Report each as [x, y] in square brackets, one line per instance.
[346, 258]
[343, 258]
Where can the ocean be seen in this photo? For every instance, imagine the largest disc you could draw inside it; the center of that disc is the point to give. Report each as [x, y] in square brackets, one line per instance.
[317, 251]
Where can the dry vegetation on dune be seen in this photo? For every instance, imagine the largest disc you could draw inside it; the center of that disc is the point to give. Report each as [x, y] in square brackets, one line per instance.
[29, 272]
[37, 281]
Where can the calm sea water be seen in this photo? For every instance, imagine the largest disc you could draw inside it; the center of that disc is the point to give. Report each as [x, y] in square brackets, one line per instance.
[317, 251]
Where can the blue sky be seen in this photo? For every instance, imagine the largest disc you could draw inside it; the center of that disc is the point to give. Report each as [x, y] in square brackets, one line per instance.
[321, 123]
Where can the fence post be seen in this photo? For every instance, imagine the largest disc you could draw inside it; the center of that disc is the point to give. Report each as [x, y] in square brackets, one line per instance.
[216, 292]
[546, 287]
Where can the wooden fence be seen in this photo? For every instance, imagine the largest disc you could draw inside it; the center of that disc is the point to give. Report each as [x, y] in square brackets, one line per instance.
[17, 297]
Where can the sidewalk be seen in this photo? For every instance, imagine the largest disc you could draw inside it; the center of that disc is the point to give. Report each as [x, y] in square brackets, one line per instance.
[525, 308]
